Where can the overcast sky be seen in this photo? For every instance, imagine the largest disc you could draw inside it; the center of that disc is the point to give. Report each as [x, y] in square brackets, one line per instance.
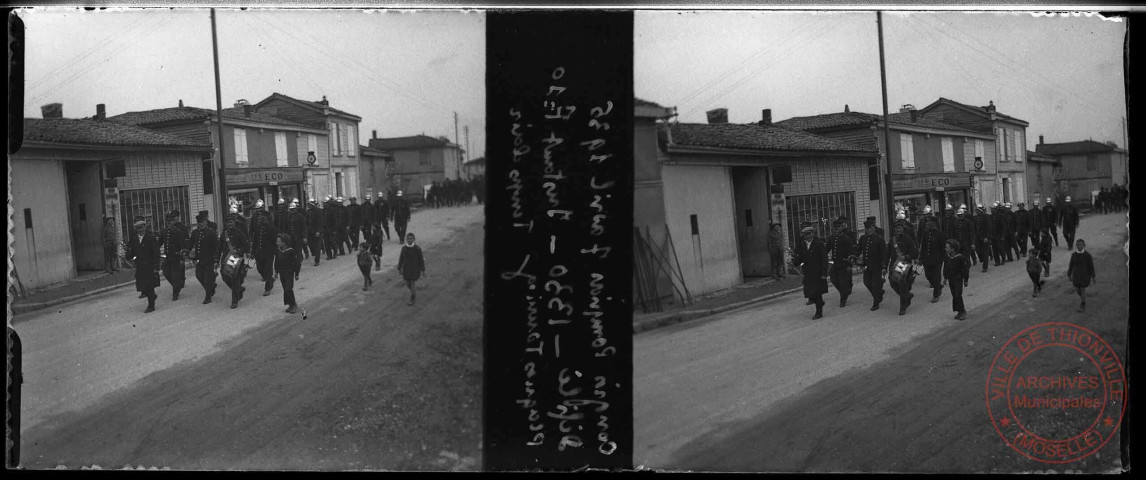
[1064, 75]
[403, 73]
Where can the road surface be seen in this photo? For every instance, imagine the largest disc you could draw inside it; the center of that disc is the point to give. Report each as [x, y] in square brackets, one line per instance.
[766, 388]
[363, 382]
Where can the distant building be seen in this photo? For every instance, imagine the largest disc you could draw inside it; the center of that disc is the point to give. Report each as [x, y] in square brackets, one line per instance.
[931, 161]
[1008, 183]
[1087, 166]
[340, 176]
[473, 167]
[723, 184]
[265, 156]
[421, 160]
[375, 166]
[1042, 172]
[70, 174]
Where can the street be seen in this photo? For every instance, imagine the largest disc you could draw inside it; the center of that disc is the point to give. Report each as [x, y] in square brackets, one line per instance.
[765, 388]
[362, 382]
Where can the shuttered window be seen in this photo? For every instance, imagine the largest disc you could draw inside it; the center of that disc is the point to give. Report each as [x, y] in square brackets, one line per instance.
[281, 148]
[948, 154]
[906, 150]
[352, 141]
[342, 145]
[241, 146]
[1006, 156]
[312, 143]
[335, 133]
[1020, 146]
[979, 148]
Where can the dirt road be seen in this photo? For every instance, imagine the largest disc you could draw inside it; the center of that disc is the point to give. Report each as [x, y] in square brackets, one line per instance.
[768, 389]
[364, 382]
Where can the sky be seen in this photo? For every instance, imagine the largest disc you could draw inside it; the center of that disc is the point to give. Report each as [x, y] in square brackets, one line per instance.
[1062, 74]
[403, 73]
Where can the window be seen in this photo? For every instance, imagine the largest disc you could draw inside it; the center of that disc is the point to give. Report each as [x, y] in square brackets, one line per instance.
[818, 208]
[1006, 150]
[352, 142]
[979, 148]
[906, 150]
[1020, 189]
[338, 184]
[281, 148]
[343, 148]
[312, 143]
[948, 154]
[1091, 162]
[241, 146]
[152, 204]
[1006, 189]
[1020, 146]
[423, 157]
[335, 135]
[208, 178]
[352, 182]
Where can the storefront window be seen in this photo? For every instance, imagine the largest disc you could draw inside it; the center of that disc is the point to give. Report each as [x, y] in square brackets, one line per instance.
[245, 197]
[289, 193]
[956, 198]
[912, 205]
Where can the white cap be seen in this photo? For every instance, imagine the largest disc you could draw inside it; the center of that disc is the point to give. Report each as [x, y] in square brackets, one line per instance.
[1036, 201]
[379, 195]
[1068, 199]
[259, 203]
[399, 193]
[1048, 200]
[961, 210]
[329, 198]
[949, 207]
[927, 209]
[282, 201]
[980, 205]
[339, 199]
[900, 216]
[996, 203]
[963, 206]
[234, 208]
[294, 201]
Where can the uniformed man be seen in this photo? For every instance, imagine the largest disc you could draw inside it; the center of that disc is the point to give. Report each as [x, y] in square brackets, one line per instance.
[329, 219]
[316, 226]
[382, 213]
[1035, 215]
[932, 250]
[998, 232]
[1022, 228]
[1010, 229]
[263, 248]
[871, 249]
[143, 251]
[901, 255]
[840, 250]
[281, 215]
[368, 221]
[965, 234]
[1069, 221]
[812, 258]
[340, 221]
[400, 211]
[234, 257]
[297, 229]
[173, 242]
[984, 228]
[203, 250]
[1051, 220]
[354, 223]
[948, 223]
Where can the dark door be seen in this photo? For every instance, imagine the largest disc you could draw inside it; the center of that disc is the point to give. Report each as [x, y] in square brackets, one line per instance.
[750, 197]
[85, 213]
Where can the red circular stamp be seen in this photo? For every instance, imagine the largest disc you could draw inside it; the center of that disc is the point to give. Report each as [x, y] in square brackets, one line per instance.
[1056, 392]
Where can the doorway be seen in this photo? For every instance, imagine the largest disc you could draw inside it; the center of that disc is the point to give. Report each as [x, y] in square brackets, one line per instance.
[85, 214]
[753, 217]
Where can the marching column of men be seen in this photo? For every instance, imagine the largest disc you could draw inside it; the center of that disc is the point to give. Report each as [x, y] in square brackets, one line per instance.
[265, 239]
[945, 246]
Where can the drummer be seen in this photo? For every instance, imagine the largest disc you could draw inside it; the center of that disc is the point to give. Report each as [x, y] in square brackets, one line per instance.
[901, 254]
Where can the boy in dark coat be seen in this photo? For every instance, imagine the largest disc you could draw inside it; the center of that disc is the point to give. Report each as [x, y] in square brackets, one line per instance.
[364, 262]
[902, 249]
[288, 262]
[1081, 272]
[1035, 267]
[143, 251]
[812, 257]
[411, 264]
[931, 255]
[956, 269]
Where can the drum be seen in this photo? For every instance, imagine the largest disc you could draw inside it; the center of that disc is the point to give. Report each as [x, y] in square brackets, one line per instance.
[899, 271]
[232, 265]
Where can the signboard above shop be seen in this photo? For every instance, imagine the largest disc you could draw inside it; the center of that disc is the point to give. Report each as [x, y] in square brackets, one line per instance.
[911, 183]
[263, 176]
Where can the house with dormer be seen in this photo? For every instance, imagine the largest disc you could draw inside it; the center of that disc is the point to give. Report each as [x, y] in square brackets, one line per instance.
[340, 176]
[1008, 182]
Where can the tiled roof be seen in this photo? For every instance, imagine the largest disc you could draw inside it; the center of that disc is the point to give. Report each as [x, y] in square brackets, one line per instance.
[316, 105]
[981, 111]
[175, 114]
[860, 119]
[480, 160]
[1071, 148]
[757, 137]
[101, 132]
[1039, 157]
[366, 149]
[408, 143]
[637, 102]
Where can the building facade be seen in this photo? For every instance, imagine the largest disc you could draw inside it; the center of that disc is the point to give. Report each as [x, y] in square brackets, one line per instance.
[1086, 166]
[1042, 173]
[1009, 183]
[265, 156]
[473, 167]
[340, 175]
[722, 185]
[374, 166]
[419, 161]
[71, 174]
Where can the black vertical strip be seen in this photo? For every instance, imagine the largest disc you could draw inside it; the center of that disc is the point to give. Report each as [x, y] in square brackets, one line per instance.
[15, 82]
[558, 284]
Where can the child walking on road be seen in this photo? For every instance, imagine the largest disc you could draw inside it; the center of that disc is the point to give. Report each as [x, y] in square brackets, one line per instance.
[1035, 266]
[411, 264]
[365, 260]
[1081, 271]
[956, 269]
[287, 263]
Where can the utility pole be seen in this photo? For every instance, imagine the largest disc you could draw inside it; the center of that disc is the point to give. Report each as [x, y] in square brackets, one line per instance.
[219, 118]
[886, 135]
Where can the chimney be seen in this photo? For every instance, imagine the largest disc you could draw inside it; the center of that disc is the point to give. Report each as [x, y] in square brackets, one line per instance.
[766, 116]
[374, 134]
[247, 110]
[906, 108]
[990, 106]
[180, 103]
[1040, 139]
[717, 115]
[101, 112]
[324, 102]
[240, 102]
[53, 110]
[846, 109]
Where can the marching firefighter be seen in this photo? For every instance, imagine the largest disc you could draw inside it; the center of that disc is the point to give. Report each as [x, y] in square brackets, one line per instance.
[983, 233]
[328, 228]
[1051, 220]
[143, 251]
[354, 222]
[1069, 222]
[234, 258]
[173, 241]
[400, 211]
[263, 247]
[812, 258]
[840, 247]
[871, 250]
[340, 221]
[901, 255]
[203, 250]
[965, 234]
[297, 229]
[1036, 221]
[931, 254]
[998, 232]
[382, 213]
[949, 221]
[368, 220]
[315, 226]
[1010, 228]
[280, 215]
[1022, 228]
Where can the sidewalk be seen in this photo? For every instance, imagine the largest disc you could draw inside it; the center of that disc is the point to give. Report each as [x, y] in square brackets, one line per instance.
[87, 284]
[750, 293]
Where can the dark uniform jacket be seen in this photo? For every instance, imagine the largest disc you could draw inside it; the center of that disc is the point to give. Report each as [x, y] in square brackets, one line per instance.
[315, 220]
[174, 240]
[204, 244]
[840, 246]
[813, 261]
[367, 210]
[1036, 219]
[354, 215]
[263, 240]
[330, 217]
[287, 261]
[382, 210]
[1050, 216]
[965, 232]
[901, 247]
[240, 242]
[296, 225]
[1023, 222]
[870, 251]
[400, 210]
[1069, 216]
[145, 256]
[984, 225]
[337, 216]
[949, 224]
[931, 251]
[998, 225]
[1010, 222]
